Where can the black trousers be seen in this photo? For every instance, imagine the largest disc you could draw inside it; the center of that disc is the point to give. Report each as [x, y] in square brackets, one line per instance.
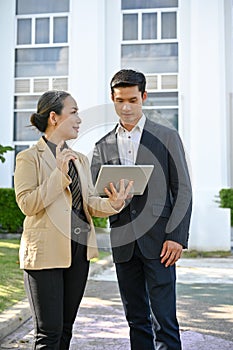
[54, 296]
[148, 294]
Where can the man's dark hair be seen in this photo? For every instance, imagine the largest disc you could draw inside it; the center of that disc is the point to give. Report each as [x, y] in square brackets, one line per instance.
[128, 77]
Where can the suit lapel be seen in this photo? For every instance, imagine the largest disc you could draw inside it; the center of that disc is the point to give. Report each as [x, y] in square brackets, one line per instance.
[112, 149]
[145, 144]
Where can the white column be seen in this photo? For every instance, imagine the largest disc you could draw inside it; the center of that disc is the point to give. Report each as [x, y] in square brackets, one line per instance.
[87, 52]
[7, 20]
[203, 118]
[95, 55]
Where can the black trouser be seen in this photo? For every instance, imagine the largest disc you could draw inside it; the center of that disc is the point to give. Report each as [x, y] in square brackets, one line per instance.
[54, 296]
[148, 293]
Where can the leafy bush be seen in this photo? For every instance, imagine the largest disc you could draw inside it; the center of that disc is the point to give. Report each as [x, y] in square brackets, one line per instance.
[11, 217]
[4, 149]
[226, 200]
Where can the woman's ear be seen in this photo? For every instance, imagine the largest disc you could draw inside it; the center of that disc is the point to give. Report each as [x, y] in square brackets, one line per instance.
[52, 118]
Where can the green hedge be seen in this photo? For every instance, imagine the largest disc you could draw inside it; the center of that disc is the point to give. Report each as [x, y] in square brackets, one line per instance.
[11, 217]
[226, 200]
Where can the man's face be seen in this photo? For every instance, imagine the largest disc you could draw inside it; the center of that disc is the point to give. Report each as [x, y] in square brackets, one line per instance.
[128, 105]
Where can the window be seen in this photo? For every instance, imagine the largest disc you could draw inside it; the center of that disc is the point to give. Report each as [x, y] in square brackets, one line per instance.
[42, 31]
[24, 34]
[147, 4]
[130, 27]
[41, 6]
[41, 59]
[168, 25]
[156, 58]
[41, 62]
[150, 44]
[149, 26]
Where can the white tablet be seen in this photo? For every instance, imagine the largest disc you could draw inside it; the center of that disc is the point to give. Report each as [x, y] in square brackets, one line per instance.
[140, 174]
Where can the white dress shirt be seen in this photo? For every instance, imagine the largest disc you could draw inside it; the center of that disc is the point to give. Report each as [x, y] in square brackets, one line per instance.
[128, 141]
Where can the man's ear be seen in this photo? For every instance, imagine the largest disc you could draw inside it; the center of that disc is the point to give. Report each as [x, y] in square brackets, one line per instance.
[112, 97]
[52, 118]
[144, 96]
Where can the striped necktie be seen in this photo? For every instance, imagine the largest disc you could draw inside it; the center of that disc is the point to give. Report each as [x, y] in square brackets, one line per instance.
[75, 187]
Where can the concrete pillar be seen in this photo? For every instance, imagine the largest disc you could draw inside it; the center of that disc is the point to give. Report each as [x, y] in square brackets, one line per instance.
[204, 119]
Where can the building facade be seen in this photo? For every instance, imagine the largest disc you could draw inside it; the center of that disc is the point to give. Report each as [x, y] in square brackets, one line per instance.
[185, 49]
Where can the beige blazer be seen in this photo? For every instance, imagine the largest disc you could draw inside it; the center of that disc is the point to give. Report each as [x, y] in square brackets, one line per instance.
[43, 195]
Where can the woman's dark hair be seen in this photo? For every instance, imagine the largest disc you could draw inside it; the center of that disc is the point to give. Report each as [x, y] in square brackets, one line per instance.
[128, 77]
[48, 102]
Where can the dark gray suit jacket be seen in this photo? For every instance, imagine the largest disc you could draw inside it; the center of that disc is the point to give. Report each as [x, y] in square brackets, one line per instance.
[163, 212]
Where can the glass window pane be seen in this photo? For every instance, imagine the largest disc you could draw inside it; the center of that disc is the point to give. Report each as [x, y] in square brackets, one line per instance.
[41, 6]
[22, 86]
[60, 84]
[19, 148]
[26, 102]
[169, 25]
[151, 82]
[60, 30]
[149, 26]
[23, 31]
[23, 131]
[42, 31]
[130, 27]
[169, 82]
[41, 62]
[168, 117]
[162, 99]
[41, 85]
[147, 4]
[151, 58]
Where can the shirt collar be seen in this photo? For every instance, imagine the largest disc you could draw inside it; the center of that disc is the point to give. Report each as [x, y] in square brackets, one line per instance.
[140, 125]
[52, 145]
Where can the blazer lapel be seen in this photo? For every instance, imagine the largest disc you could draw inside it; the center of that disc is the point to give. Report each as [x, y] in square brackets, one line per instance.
[46, 154]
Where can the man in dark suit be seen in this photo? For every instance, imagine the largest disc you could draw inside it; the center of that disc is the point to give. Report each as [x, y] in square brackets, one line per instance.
[148, 236]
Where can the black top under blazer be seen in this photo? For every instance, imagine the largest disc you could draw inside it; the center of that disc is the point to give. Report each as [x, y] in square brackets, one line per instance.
[163, 211]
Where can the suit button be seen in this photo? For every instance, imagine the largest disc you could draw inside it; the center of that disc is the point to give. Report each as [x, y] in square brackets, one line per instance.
[134, 212]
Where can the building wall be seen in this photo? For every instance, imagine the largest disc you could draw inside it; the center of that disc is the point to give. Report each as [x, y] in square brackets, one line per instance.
[7, 20]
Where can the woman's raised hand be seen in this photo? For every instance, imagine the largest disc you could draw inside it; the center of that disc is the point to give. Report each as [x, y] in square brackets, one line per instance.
[117, 198]
[63, 156]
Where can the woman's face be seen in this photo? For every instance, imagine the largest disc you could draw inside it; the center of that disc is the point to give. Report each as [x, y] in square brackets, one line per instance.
[68, 121]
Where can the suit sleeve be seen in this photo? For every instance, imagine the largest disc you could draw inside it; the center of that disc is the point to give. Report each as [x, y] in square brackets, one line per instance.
[181, 192]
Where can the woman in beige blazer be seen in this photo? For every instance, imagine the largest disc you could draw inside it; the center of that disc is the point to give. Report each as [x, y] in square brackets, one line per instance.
[54, 190]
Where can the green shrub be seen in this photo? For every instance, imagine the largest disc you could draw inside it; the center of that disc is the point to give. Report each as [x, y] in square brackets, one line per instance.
[100, 222]
[11, 217]
[226, 200]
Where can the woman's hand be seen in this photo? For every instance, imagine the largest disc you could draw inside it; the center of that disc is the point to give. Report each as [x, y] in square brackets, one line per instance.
[117, 199]
[63, 156]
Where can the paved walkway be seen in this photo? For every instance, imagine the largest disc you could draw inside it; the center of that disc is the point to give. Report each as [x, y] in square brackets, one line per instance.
[205, 310]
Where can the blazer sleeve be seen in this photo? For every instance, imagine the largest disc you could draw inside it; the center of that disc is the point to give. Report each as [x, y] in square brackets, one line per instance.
[32, 194]
[181, 192]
